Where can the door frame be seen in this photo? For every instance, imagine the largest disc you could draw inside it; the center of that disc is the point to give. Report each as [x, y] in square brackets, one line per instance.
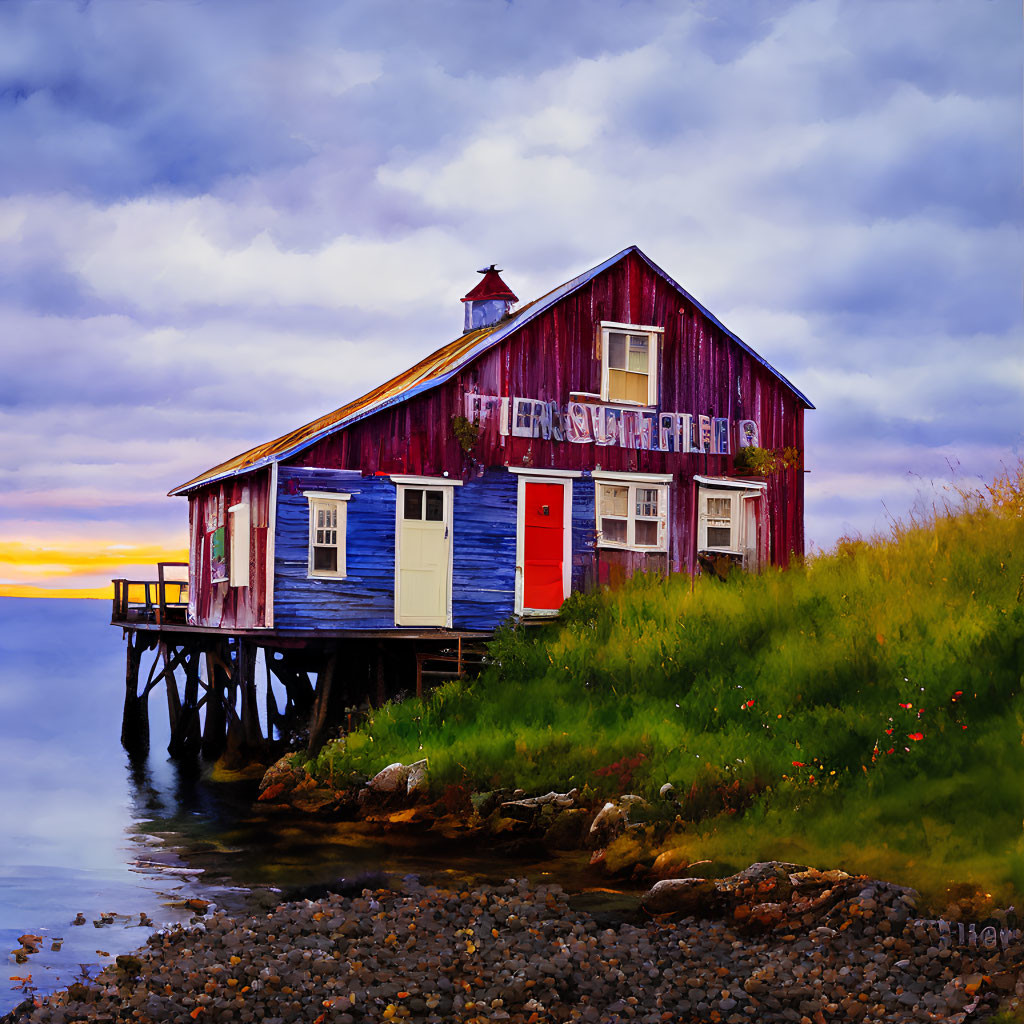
[425, 483]
[564, 477]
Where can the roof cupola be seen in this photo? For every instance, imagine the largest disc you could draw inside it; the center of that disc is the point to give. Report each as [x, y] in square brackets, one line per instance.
[490, 301]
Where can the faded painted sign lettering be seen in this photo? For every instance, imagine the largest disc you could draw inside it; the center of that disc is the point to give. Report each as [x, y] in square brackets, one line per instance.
[587, 423]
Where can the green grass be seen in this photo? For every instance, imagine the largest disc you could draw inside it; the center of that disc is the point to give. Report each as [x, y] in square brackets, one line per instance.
[863, 709]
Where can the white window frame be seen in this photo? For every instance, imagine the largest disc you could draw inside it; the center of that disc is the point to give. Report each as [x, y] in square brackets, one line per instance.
[633, 481]
[339, 501]
[654, 334]
[239, 541]
[711, 487]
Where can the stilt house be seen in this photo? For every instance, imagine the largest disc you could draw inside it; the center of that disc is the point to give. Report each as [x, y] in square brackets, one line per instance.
[600, 430]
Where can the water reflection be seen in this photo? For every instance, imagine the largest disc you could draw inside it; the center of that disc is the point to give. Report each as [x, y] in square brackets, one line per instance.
[85, 829]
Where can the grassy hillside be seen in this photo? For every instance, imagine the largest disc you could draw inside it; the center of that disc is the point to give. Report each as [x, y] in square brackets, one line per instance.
[864, 709]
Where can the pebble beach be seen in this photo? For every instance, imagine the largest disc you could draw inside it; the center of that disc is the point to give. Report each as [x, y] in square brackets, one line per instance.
[520, 953]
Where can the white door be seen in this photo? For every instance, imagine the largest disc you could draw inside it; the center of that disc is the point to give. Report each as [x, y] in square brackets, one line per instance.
[423, 581]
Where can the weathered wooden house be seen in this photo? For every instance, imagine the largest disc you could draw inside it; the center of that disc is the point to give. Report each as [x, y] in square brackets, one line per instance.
[588, 434]
[576, 439]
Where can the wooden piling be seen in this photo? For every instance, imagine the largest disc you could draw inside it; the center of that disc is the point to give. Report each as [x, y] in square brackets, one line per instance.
[215, 726]
[321, 705]
[245, 667]
[185, 735]
[135, 716]
[218, 675]
[171, 685]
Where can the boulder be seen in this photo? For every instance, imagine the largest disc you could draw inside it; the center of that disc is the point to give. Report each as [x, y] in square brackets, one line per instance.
[607, 824]
[615, 817]
[281, 778]
[669, 864]
[812, 878]
[390, 781]
[311, 798]
[416, 782]
[761, 882]
[692, 897]
[566, 830]
[625, 852]
[529, 808]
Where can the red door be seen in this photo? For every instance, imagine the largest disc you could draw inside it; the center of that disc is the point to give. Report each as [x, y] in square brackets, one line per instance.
[543, 546]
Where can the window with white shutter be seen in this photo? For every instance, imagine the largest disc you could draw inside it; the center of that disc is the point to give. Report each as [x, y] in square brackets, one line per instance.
[239, 541]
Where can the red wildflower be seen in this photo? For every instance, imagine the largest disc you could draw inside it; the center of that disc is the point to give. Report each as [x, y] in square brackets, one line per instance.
[888, 732]
[890, 750]
[749, 704]
[906, 706]
[915, 735]
[799, 764]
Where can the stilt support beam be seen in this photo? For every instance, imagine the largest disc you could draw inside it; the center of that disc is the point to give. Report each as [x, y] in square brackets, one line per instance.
[135, 716]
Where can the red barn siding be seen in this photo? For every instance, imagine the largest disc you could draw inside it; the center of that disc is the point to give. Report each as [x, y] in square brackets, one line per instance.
[701, 371]
[220, 604]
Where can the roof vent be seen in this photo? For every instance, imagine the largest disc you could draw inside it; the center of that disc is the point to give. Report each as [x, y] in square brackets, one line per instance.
[490, 301]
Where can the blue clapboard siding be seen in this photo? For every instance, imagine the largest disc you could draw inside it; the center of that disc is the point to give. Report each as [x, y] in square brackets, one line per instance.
[583, 525]
[365, 598]
[484, 553]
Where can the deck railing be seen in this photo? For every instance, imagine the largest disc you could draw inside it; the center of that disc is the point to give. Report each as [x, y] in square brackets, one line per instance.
[160, 600]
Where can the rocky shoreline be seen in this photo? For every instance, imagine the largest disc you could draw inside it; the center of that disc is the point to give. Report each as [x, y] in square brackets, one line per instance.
[775, 942]
[780, 945]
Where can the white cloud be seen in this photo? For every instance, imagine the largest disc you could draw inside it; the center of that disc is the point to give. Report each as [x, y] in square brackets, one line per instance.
[283, 214]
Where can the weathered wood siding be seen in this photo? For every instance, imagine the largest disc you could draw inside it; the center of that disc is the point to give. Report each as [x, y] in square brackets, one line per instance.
[365, 597]
[484, 550]
[584, 531]
[701, 371]
[220, 604]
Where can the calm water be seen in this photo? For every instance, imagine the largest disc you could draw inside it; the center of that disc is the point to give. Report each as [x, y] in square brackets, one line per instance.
[83, 830]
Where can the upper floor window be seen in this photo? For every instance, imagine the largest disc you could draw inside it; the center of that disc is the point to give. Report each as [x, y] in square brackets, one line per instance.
[629, 363]
[328, 515]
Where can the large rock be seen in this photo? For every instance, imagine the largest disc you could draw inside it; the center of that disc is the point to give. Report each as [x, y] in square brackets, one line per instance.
[607, 824]
[614, 818]
[529, 808]
[765, 881]
[416, 782]
[566, 830]
[691, 897]
[626, 853]
[390, 781]
[280, 779]
[670, 863]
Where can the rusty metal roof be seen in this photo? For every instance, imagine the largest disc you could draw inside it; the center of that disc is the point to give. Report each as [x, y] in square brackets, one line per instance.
[433, 371]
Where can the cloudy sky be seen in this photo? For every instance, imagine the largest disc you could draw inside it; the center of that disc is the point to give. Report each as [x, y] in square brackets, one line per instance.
[221, 219]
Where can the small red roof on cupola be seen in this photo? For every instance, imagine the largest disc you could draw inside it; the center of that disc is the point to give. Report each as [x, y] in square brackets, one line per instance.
[491, 287]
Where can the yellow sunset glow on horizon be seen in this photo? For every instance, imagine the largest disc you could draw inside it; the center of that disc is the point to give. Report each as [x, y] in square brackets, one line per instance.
[77, 568]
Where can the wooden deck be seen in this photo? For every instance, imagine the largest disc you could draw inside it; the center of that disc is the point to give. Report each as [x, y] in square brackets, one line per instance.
[161, 606]
[329, 677]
